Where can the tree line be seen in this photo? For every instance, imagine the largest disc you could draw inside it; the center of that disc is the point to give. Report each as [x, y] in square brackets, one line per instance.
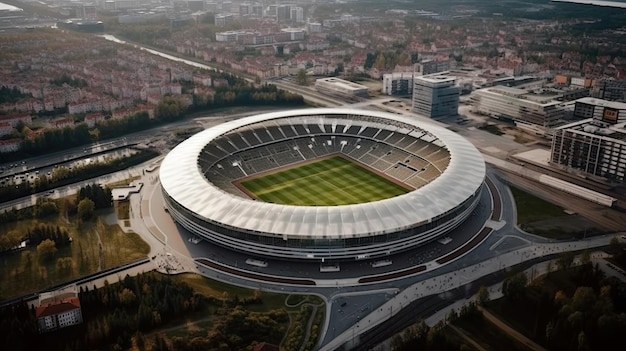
[119, 316]
[585, 311]
[69, 80]
[11, 94]
[41, 232]
[100, 195]
[65, 176]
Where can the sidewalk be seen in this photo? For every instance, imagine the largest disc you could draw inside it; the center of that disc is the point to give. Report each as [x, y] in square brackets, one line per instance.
[463, 276]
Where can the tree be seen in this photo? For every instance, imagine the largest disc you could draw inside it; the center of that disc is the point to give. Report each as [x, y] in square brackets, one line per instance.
[86, 209]
[46, 250]
[65, 265]
[586, 258]
[615, 246]
[302, 78]
[565, 261]
[483, 295]
[515, 287]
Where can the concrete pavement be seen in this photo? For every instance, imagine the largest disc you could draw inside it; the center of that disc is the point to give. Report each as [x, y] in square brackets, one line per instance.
[449, 281]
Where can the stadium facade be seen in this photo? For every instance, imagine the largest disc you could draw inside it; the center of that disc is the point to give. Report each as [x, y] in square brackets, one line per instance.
[444, 171]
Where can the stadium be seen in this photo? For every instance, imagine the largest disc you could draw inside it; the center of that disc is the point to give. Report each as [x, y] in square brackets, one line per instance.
[324, 185]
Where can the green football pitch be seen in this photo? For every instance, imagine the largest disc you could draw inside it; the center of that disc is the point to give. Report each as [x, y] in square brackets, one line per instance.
[332, 181]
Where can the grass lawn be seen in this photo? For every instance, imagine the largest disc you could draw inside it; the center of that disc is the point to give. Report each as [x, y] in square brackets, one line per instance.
[95, 245]
[329, 182]
[532, 209]
[220, 290]
[543, 218]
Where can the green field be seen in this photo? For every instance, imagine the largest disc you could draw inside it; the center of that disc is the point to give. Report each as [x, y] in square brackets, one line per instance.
[328, 182]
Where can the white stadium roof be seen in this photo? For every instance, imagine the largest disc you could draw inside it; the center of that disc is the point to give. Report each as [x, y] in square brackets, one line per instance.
[183, 180]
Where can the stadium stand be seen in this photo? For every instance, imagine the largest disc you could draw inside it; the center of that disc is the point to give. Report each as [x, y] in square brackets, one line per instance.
[409, 156]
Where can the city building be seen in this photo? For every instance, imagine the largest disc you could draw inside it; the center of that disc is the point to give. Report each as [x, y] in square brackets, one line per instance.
[232, 35]
[291, 34]
[609, 89]
[211, 6]
[436, 96]
[611, 112]
[591, 146]
[399, 83]
[195, 5]
[283, 13]
[443, 172]
[513, 104]
[222, 19]
[314, 27]
[245, 9]
[337, 86]
[426, 67]
[227, 6]
[297, 14]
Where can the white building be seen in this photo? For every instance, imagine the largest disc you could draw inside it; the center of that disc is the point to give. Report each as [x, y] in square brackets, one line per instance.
[591, 146]
[518, 105]
[436, 96]
[399, 83]
[230, 36]
[222, 19]
[294, 33]
[297, 14]
[314, 27]
[340, 87]
[427, 67]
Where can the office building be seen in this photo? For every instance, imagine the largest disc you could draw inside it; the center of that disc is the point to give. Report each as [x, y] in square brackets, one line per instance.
[400, 83]
[427, 67]
[436, 96]
[297, 14]
[591, 146]
[336, 86]
[513, 104]
[610, 112]
[609, 89]
[222, 19]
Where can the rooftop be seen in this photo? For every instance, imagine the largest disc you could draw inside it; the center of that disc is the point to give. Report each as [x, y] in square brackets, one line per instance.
[345, 84]
[593, 127]
[604, 103]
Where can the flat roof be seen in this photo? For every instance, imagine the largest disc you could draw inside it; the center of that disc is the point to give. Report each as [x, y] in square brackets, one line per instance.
[345, 84]
[436, 78]
[604, 103]
[520, 94]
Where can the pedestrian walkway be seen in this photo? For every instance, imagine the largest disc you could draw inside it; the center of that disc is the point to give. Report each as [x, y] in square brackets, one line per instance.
[452, 280]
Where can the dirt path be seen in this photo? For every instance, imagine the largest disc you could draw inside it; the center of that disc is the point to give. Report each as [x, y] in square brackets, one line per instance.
[510, 331]
[307, 335]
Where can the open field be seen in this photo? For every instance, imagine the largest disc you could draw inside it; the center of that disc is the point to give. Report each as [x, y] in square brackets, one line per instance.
[331, 181]
[541, 217]
[95, 245]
